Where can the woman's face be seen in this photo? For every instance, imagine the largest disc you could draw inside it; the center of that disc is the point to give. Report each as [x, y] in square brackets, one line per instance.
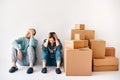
[51, 40]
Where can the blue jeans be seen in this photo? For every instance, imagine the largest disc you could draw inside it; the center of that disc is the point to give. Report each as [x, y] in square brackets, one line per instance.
[30, 57]
[46, 56]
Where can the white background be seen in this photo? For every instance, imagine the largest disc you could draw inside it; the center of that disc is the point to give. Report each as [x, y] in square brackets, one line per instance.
[16, 16]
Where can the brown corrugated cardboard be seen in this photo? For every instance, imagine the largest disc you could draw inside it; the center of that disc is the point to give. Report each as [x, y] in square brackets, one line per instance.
[86, 43]
[109, 63]
[77, 37]
[84, 34]
[89, 34]
[106, 68]
[110, 51]
[80, 26]
[78, 62]
[108, 60]
[74, 44]
[98, 48]
[77, 31]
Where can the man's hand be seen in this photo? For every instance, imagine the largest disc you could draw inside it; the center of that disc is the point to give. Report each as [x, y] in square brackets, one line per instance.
[31, 32]
[19, 54]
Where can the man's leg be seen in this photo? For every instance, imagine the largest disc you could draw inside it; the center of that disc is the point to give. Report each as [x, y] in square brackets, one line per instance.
[30, 59]
[14, 60]
[58, 60]
[44, 59]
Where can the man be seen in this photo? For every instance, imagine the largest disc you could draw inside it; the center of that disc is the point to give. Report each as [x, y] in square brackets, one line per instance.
[51, 53]
[24, 51]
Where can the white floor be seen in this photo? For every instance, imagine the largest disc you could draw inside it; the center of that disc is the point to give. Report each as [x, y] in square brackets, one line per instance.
[51, 75]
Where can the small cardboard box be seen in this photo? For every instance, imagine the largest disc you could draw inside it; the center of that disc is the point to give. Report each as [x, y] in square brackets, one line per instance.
[89, 34]
[74, 44]
[110, 51]
[77, 31]
[98, 48]
[84, 34]
[78, 62]
[80, 26]
[77, 37]
[109, 63]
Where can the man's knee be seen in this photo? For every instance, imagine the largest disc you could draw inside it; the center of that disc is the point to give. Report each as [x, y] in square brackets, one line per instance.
[30, 48]
[14, 51]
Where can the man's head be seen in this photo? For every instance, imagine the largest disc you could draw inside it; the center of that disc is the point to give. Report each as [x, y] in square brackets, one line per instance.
[29, 32]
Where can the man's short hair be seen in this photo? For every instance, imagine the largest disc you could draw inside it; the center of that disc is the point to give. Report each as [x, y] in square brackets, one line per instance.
[33, 30]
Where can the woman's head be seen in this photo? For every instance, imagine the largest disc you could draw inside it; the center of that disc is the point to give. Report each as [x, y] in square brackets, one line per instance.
[51, 37]
[51, 40]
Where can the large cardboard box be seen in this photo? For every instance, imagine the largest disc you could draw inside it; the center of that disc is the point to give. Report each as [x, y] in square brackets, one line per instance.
[84, 34]
[110, 51]
[80, 26]
[78, 62]
[74, 44]
[109, 63]
[98, 48]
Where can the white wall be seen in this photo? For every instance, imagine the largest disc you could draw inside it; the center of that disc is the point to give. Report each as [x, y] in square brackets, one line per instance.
[16, 16]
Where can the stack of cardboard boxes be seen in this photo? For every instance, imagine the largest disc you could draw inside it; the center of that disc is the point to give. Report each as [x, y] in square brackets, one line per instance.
[108, 62]
[78, 55]
[83, 53]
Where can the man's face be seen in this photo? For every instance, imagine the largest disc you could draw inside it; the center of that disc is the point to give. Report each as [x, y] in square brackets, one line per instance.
[29, 32]
[51, 40]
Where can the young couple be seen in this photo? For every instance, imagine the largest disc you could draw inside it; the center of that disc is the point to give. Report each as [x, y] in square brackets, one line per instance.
[24, 52]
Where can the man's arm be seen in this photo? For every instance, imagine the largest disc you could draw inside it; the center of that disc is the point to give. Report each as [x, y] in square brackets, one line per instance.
[16, 43]
[33, 42]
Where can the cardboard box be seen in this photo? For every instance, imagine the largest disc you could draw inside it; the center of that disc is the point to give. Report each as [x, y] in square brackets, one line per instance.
[109, 63]
[86, 43]
[106, 68]
[110, 51]
[74, 44]
[108, 60]
[77, 37]
[80, 26]
[98, 48]
[77, 31]
[78, 62]
[84, 34]
[89, 34]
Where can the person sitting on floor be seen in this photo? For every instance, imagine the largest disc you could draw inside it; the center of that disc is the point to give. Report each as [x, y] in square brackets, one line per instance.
[51, 53]
[24, 51]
